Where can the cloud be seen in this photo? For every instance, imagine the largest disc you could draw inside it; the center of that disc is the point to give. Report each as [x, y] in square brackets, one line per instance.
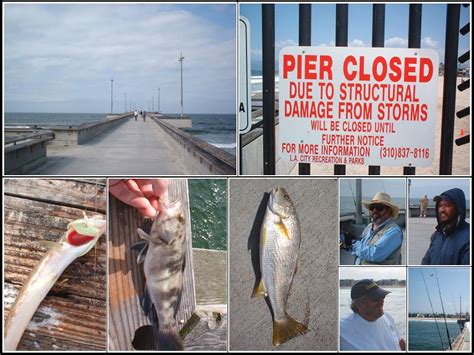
[429, 42]
[396, 42]
[357, 43]
[74, 49]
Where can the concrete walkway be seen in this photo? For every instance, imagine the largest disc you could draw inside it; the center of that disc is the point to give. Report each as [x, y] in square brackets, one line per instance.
[132, 148]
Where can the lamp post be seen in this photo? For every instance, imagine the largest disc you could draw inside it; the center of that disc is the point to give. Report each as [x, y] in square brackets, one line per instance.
[111, 95]
[181, 62]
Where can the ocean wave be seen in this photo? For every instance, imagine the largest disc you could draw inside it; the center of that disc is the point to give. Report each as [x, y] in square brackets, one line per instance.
[224, 145]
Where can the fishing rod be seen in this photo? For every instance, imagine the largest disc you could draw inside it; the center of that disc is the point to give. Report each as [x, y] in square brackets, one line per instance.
[444, 314]
[432, 309]
[455, 311]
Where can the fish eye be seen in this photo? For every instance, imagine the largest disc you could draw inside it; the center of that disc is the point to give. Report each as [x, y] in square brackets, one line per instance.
[286, 196]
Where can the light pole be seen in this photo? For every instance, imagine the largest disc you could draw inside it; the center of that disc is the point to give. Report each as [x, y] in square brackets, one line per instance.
[181, 62]
[111, 95]
[159, 109]
[125, 102]
[153, 104]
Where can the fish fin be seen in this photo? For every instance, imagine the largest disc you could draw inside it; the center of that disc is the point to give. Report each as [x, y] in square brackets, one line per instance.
[286, 329]
[259, 290]
[281, 229]
[169, 339]
[142, 234]
[142, 247]
[48, 244]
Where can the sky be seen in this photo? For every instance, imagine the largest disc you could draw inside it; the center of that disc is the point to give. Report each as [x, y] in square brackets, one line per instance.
[375, 273]
[394, 187]
[360, 27]
[433, 187]
[453, 282]
[61, 57]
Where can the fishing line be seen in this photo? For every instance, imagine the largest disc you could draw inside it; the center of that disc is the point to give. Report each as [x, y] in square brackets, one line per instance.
[432, 309]
[383, 186]
[454, 305]
[444, 314]
[353, 197]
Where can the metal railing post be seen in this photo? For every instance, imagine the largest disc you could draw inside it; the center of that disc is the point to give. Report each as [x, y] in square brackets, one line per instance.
[268, 54]
[449, 89]
[304, 39]
[342, 15]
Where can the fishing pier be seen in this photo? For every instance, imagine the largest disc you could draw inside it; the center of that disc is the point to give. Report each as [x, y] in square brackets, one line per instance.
[118, 145]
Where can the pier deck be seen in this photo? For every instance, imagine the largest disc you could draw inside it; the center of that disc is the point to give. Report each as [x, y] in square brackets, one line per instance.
[132, 147]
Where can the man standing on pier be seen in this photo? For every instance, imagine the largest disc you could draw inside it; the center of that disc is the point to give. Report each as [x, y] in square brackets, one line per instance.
[423, 206]
[450, 242]
[369, 327]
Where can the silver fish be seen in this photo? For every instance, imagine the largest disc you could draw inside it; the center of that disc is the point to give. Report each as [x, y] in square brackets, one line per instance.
[280, 237]
[78, 240]
[163, 266]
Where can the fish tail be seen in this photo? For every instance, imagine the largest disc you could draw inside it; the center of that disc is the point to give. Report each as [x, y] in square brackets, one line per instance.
[284, 330]
[259, 290]
[169, 339]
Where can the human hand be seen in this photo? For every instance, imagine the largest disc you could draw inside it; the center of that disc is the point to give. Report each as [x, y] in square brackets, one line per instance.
[147, 195]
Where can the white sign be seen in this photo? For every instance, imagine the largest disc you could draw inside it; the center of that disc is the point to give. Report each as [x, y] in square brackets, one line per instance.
[245, 105]
[358, 106]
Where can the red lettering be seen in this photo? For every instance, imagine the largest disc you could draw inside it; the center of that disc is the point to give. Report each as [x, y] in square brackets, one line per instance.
[381, 76]
[363, 76]
[288, 64]
[349, 60]
[396, 73]
[409, 70]
[426, 62]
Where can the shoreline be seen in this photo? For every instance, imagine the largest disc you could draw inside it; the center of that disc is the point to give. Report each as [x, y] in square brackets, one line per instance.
[448, 320]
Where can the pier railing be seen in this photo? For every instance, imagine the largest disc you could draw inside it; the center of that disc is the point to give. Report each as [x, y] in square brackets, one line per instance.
[204, 158]
[25, 149]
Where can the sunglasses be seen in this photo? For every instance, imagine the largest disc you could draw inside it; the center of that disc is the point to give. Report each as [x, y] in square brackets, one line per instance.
[377, 207]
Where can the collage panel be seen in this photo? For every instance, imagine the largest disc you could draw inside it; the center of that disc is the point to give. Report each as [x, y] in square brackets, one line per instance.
[439, 221]
[439, 303]
[120, 89]
[372, 308]
[54, 264]
[372, 221]
[168, 264]
[283, 264]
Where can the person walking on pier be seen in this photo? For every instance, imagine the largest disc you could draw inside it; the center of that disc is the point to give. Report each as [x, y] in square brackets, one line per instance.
[135, 113]
[450, 242]
[369, 327]
[144, 116]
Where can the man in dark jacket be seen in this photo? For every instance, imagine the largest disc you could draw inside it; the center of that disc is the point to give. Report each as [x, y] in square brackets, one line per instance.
[450, 242]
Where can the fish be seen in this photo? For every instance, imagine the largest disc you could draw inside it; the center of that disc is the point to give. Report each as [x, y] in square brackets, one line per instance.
[280, 237]
[163, 260]
[80, 237]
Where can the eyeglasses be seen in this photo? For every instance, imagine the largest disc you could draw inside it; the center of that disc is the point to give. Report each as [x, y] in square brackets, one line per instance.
[377, 207]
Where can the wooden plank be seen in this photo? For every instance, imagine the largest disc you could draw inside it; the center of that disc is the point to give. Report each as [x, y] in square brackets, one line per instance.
[73, 314]
[126, 278]
[82, 194]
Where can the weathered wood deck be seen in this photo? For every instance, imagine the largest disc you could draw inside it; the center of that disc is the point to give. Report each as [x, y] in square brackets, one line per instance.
[126, 278]
[73, 314]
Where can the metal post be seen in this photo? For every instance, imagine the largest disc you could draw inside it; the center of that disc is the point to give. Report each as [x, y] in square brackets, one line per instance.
[449, 89]
[304, 40]
[268, 54]
[159, 109]
[111, 95]
[414, 41]
[181, 58]
[153, 104]
[378, 39]
[342, 12]
[125, 102]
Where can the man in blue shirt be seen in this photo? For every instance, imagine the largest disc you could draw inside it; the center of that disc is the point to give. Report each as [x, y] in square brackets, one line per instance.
[450, 242]
[381, 240]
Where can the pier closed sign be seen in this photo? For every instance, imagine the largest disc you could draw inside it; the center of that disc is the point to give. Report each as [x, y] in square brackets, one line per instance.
[358, 106]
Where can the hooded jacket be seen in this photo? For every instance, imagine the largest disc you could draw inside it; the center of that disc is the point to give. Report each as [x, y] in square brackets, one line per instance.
[450, 248]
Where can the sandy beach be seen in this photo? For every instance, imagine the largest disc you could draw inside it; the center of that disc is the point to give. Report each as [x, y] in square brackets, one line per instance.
[461, 155]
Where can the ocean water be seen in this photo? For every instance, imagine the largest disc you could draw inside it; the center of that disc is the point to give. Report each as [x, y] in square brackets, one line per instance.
[347, 203]
[70, 119]
[423, 335]
[208, 203]
[394, 305]
[216, 129]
